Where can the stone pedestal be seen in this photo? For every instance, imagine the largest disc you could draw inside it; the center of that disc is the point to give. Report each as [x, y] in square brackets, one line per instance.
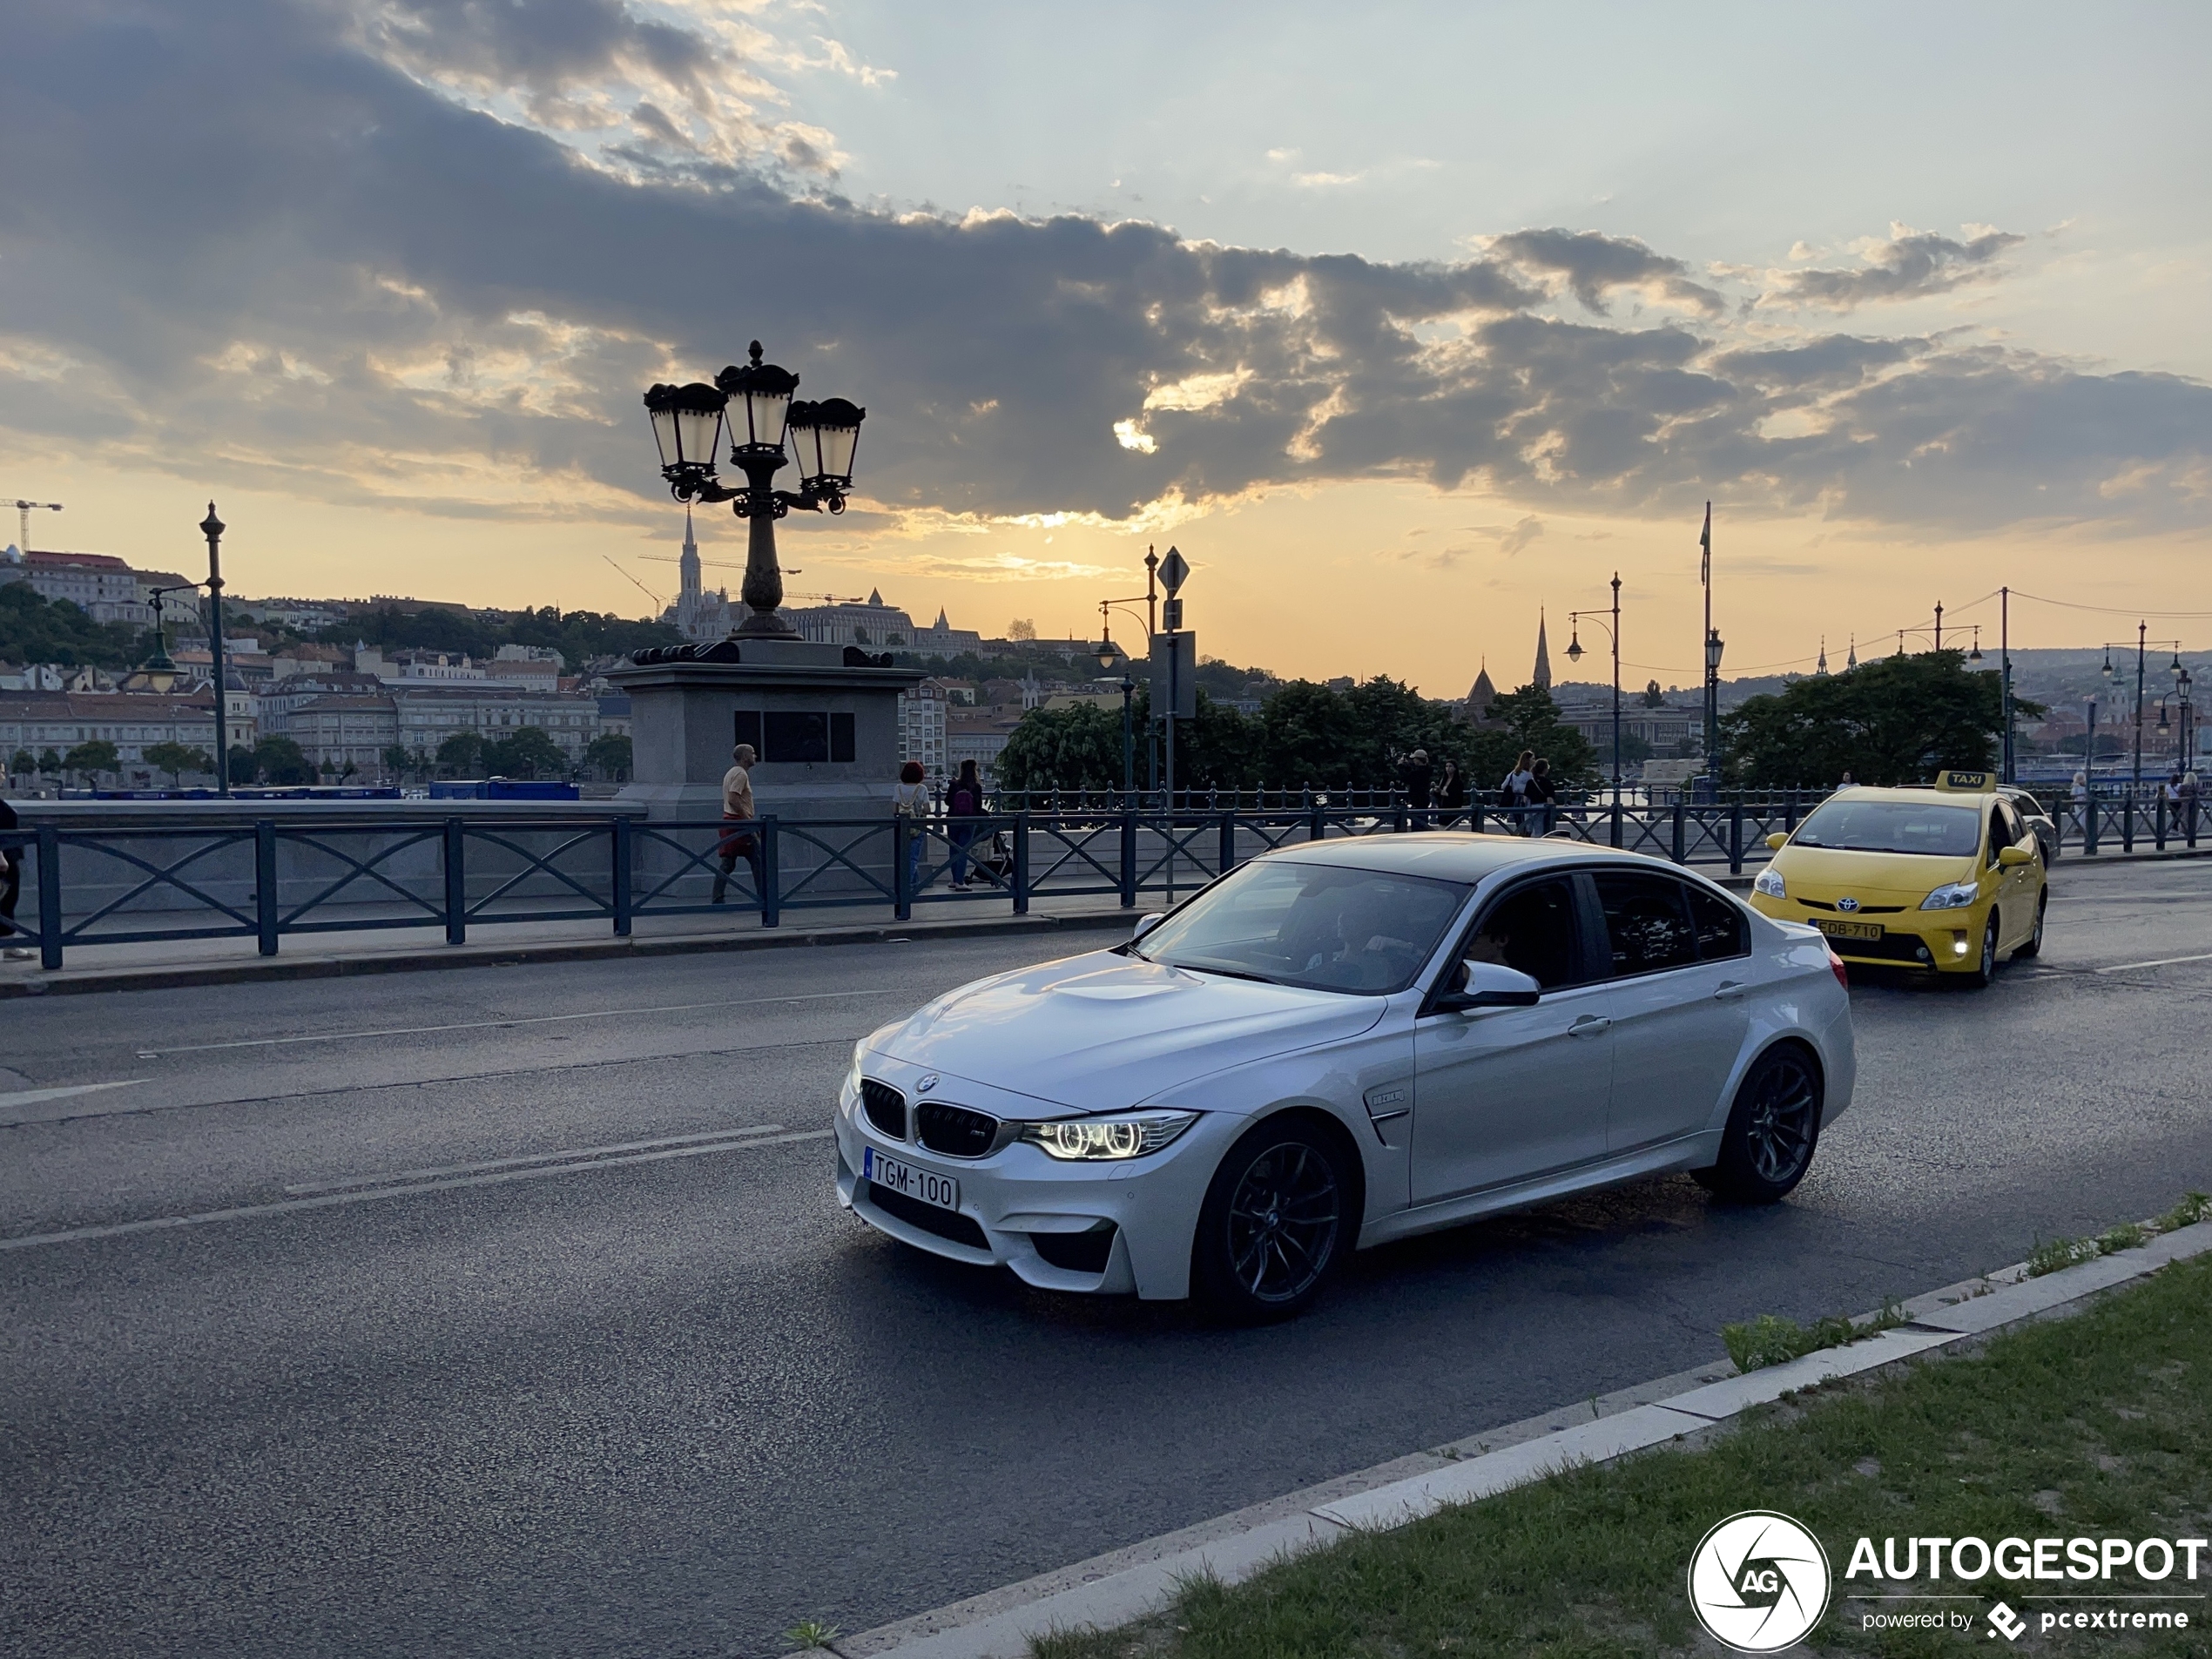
[827, 733]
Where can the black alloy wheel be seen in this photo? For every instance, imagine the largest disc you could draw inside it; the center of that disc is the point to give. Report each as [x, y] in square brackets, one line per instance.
[1772, 1130]
[1273, 1225]
[2034, 945]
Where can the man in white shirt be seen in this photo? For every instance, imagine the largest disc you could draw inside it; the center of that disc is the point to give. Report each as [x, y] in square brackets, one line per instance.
[738, 808]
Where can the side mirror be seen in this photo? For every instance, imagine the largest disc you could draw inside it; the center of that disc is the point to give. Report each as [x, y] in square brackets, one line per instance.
[1147, 922]
[1487, 985]
[2015, 855]
[1776, 842]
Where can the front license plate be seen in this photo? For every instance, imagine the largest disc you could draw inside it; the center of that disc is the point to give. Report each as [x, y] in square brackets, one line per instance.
[1850, 929]
[925, 1185]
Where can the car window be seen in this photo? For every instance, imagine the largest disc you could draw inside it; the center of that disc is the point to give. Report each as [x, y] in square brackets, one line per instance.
[1647, 923]
[2015, 826]
[1998, 838]
[1532, 930]
[1718, 924]
[1939, 828]
[1323, 927]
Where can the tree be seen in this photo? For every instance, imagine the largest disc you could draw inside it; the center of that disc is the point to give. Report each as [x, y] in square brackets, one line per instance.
[176, 759]
[1893, 720]
[90, 758]
[1653, 697]
[241, 763]
[1022, 628]
[1077, 747]
[34, 629]
[281, 760]
[50, 762]
[610, 756]
[462, 755]
[22, 764]
[528, 753]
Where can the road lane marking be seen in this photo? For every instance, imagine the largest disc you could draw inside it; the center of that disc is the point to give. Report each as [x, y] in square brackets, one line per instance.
[32, 1097]
[572, 1153]
[2163, 961]
[327, 1200]
[501, 1025]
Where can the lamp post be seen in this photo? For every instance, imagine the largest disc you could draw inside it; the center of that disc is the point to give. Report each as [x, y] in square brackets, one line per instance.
[212, 529]
[2005, 657]
[753, 401]
[1108, 654]
[1713, 646]
[1574, 655]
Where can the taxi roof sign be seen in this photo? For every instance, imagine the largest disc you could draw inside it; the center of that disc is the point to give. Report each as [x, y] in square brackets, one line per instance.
[1972, 782]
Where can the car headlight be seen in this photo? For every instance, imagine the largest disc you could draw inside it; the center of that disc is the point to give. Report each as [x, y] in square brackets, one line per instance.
[853, 1073]
[1091, 1139]
[1952, 895]
[1769, 881]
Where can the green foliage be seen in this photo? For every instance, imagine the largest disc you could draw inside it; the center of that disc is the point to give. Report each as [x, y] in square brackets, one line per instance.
[462, 755]
[1077, 747]
[809, 1634]
[1771, 1340]
[608, 755]
[22, 764]
[176, 758]
[280, 760]
[398, 759]
[2191, 1209]
[87, 758]
[1893, 720]
[1653, 697]
[36, 630]
[49, 761]
[577, 635]
[242, 764]
[528, 753]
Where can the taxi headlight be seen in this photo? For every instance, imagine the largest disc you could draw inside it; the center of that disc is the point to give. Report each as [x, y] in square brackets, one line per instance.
[1952, 895]
[1769, 881]
[1092, 1139]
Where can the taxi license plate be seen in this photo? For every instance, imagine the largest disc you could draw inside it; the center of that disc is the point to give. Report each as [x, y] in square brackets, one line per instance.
[924, 1185]
[1850, 929]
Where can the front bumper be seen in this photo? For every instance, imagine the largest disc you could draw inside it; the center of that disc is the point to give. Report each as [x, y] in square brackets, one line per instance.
[1945, 941]
[1018, 1195]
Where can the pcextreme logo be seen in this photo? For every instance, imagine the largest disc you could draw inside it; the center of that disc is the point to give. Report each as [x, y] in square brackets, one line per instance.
[1759, 1581]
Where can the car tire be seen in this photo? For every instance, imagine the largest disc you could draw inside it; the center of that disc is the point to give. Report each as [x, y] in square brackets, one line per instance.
[1773, 1130]
[1277, 1221]
[1984, 972]
[2033, 947]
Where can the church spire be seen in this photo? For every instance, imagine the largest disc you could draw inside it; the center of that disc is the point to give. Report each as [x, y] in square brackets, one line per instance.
[1543, 677]
[1821, 667]
[690, 566]
[1852, 661]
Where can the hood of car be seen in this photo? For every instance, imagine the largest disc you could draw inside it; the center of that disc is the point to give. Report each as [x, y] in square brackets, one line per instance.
[1830, 874]
[1101, 1032]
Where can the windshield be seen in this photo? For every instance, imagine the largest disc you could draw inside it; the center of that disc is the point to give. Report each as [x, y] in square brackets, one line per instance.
[1937, 828]
[1317, 926]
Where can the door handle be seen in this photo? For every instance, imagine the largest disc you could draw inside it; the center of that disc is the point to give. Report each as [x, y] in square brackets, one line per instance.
[1728, 990]
[1589, 1025]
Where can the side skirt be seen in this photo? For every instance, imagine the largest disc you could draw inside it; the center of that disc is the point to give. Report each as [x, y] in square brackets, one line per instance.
[1690, 1152]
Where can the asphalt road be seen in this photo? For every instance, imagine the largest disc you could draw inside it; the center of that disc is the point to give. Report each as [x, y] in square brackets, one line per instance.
[522, 1319]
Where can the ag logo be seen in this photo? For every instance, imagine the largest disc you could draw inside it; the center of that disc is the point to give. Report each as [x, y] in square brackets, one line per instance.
[1759, 1581]
[1846, 904]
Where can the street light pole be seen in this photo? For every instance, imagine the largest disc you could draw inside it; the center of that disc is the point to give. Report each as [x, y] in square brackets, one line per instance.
[2136, 782]
[2005, 655]
[212, 529]
[1574, 655]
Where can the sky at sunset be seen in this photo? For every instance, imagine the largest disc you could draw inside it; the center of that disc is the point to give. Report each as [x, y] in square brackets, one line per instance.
[1400, 323]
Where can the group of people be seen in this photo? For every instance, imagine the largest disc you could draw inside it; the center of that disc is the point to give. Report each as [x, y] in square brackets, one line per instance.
[1529, 784]
[910, 800]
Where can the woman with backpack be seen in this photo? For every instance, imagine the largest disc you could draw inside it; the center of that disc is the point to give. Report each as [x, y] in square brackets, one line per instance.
[910, 800]
[963, 804]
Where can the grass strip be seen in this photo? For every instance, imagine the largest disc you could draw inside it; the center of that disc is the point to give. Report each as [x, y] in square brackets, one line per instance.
[2094, 1424]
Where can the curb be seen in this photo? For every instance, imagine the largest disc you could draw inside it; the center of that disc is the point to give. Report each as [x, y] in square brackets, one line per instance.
[74, 982]
[1688, 1407]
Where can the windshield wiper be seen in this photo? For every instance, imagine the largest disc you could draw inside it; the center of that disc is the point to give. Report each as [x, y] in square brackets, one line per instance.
[1226, 973]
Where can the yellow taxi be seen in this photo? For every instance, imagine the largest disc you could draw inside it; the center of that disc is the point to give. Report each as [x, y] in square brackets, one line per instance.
[1947, 878]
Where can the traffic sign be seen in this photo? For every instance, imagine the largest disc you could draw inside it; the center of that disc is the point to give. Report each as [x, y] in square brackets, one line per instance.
[1174, 571]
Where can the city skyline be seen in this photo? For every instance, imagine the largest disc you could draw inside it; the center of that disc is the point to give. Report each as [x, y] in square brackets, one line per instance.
[1458, 351]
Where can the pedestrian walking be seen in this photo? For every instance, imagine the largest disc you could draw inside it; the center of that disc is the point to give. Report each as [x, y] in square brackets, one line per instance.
[1542, 792]
[2173, 786]
[738, 808]
[10, 886]
[2081, 797]
[1416, 774]
[1513, 793]
[910, 800]
[1450, 793]
[963, 806]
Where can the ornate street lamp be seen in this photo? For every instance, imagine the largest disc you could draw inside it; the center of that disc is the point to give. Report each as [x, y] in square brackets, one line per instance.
[1613, 632]
[753, 401]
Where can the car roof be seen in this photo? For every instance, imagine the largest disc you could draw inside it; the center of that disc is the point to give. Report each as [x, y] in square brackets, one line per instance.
[1456, 855]
[1921, 794]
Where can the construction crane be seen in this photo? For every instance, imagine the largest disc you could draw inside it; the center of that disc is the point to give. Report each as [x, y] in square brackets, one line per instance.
[659, 604]
[24, 511]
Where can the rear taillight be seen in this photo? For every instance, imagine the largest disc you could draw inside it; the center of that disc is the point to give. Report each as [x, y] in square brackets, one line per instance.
[1836, 967]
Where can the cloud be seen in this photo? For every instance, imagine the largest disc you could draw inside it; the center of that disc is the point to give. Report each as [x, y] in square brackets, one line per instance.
[1912, 265]
[1592, 265]
[350, 253]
